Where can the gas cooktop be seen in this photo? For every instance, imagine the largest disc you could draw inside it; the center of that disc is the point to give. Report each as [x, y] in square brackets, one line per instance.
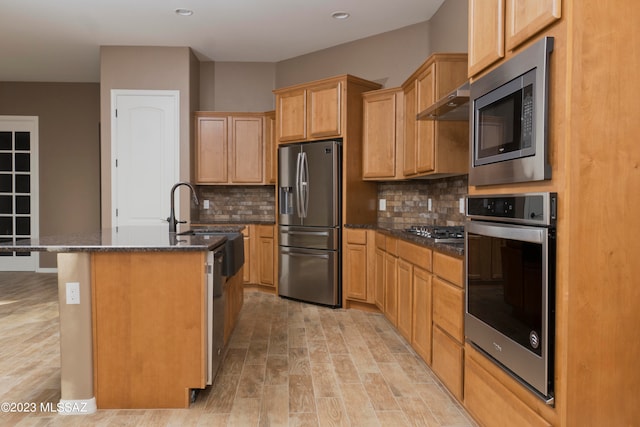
[439, 233]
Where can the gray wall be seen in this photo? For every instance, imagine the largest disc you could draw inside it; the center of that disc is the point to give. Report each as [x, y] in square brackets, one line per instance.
[237, 86]
[69, 152]
[147, 68]
[449, 29]
[387, 58]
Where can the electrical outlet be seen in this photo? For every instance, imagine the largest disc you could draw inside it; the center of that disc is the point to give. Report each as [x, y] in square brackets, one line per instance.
[382, 205]
[461, 201]
[205, 204]
[429, 204]
[73, 292]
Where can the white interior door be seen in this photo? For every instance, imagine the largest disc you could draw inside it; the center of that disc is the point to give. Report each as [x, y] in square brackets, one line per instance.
[145, 155]
[19, 189]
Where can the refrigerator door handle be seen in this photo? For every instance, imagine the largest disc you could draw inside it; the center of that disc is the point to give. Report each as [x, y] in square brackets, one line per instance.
[304, 182]
[299, 186]
[307, 255]
[308, 233]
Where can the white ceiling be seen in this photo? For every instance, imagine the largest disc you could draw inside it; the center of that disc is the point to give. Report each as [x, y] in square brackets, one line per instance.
[59, 40]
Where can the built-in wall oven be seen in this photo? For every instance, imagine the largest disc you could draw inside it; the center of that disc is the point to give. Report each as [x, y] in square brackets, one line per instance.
[510, 247]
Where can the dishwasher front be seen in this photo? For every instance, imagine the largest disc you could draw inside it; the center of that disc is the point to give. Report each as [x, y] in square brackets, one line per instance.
[215, 312]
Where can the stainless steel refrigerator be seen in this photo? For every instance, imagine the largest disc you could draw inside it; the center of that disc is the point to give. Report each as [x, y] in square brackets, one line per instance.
[309, 212]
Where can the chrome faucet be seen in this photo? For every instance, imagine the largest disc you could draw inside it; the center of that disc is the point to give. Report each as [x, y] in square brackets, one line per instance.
[173, 222]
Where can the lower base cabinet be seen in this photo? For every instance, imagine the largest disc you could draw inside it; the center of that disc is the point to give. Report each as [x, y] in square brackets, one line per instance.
[234, 298]
[492, 404]
[447, 361]
[421, 322]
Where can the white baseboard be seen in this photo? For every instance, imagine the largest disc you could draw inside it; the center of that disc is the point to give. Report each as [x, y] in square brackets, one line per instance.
[46, 270]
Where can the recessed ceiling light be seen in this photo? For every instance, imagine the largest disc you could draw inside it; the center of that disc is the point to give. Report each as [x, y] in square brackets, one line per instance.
[340, 15]
[184, 12]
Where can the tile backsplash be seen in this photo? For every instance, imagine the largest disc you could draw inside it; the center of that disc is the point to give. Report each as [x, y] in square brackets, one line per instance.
[235, 203]
[407, 202]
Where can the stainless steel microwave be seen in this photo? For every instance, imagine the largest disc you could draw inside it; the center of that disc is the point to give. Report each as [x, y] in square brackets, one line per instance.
[509, 110]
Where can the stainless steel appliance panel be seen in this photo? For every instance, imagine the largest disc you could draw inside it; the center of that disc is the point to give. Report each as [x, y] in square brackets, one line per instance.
[288, 173]
[309, 184]
[510, 284]
[215, 313]
[310, 237]
[320, 184]
[495, 158]
[310, 275]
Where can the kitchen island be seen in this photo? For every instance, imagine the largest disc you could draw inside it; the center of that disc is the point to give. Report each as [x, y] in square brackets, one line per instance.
[133, 321]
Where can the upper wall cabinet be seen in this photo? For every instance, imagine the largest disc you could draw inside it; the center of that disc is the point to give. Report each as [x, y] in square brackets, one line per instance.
[270, 148]
[316, 110]
[434, 147]
[496, 24]
[382, 134]
[229, 148]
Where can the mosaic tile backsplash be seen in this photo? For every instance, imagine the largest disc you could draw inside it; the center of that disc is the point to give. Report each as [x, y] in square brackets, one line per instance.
[236, 203]
[407, 202]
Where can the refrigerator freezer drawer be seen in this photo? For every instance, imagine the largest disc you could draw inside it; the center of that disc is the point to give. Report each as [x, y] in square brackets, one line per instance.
[310, 275]
[310, 237]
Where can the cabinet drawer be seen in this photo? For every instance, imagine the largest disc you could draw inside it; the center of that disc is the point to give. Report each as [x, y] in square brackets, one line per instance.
[356, 237]
[491, 403]
[391, 244]
[416, 255]
[265, 230]
[447, 361]
[448, 267]
[381, 241]
[448, 306]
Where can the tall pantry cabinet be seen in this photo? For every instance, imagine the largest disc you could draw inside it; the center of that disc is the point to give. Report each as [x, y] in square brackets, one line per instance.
[594, 158]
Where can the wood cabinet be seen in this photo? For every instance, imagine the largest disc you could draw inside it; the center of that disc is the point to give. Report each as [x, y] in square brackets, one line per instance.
[324, 110]
[149, 328]
[311, 111]
[270, 148]
[247, 268]
[490, 402]
[421, 313]
[234, 298]
[266, 251]
[358, 268]
[391, 280]
[448, 322]
[229, 148]
[260, 257]
[525, 18]
[383, 134]
[498, 24]
[405, 298]
[379, 271]
[433, 148]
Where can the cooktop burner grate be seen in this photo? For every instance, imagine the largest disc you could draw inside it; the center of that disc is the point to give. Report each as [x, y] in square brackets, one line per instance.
[440, 234]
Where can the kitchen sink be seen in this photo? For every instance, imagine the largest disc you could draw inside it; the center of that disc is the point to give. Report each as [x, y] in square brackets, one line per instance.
[233, 248]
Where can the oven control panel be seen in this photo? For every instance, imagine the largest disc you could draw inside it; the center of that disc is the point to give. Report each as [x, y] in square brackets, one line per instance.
[527, 208]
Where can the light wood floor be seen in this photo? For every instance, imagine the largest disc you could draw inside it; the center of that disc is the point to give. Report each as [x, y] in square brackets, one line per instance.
[288, 364]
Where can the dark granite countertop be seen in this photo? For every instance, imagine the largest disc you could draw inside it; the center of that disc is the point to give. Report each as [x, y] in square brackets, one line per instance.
[223, 223]
[122, 239]
[455, 249]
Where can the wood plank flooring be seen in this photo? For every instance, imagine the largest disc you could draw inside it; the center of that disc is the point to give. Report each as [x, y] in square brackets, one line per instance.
[288, 364]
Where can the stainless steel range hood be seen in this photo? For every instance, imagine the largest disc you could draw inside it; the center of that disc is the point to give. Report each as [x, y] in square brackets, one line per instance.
[454, 106]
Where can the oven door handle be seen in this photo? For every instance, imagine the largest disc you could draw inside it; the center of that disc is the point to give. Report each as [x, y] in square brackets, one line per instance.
[508, 231]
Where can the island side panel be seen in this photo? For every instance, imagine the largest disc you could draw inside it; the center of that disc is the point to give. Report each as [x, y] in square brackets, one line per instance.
[76, 351]
[149, 328]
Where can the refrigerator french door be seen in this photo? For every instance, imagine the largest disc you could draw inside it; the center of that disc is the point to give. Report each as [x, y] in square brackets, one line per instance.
[309, 215]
